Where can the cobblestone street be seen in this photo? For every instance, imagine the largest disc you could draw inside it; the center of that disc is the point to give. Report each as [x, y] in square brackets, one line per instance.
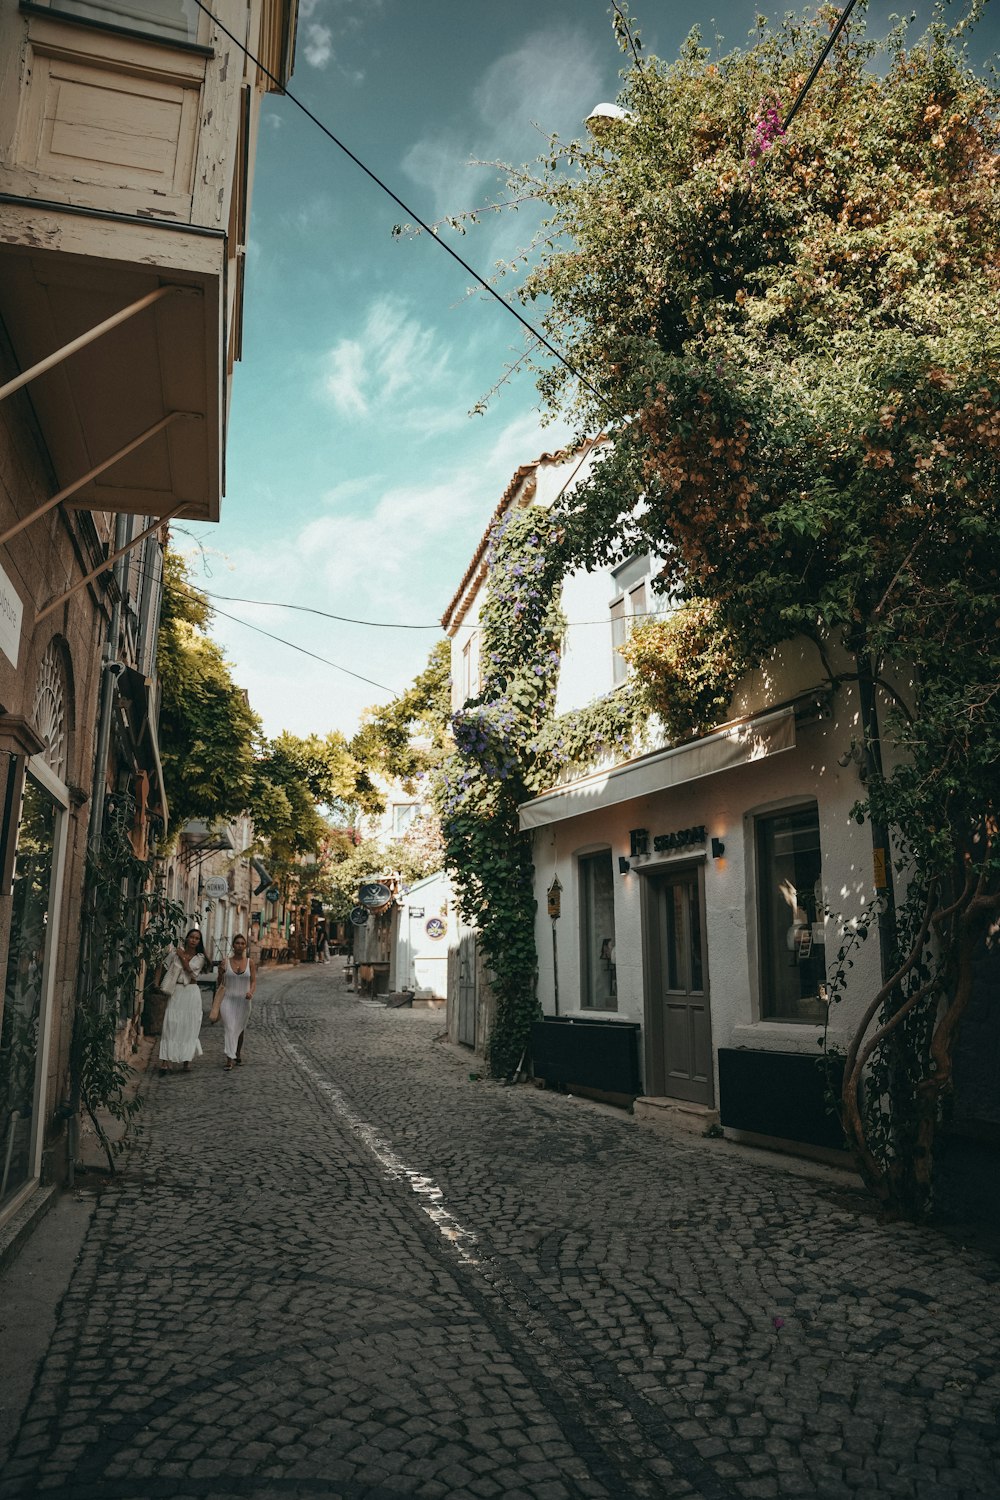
[350, 1270]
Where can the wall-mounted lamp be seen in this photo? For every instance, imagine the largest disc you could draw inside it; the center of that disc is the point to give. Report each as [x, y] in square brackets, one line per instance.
[623, 865]
[718, 848]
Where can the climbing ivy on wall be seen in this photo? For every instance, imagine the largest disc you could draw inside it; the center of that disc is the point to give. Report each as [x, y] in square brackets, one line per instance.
[496, 765]
[508, 746]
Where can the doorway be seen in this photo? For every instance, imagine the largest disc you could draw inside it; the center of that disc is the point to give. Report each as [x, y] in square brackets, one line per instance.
[678, 1016]
[467, 987]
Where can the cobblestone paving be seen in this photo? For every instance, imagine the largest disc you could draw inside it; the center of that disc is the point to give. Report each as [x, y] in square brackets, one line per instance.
[349, 1270]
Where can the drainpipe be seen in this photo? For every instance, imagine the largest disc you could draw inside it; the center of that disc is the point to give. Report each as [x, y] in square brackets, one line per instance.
[109, 677]
[881, 852]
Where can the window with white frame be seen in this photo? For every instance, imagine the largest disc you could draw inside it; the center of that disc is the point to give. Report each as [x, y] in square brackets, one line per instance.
[166, 20]
[790, 915]
[598, 975]
[470, 668]
[631, 602]
[403, 814]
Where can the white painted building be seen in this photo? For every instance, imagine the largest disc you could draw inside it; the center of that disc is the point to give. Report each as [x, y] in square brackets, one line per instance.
[703, 889]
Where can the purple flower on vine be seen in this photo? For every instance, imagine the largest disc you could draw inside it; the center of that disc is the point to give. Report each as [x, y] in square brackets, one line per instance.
[767, 129]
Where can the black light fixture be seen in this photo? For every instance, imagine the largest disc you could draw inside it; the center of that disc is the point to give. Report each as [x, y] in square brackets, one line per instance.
[718, 848]
[623, 865]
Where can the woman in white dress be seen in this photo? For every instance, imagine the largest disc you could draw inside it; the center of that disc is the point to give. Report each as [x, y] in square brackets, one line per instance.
[182, 1022]
[237, 981]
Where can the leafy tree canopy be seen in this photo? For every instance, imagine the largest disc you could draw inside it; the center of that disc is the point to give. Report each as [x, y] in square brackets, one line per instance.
[792, 339]
[407, 737]
[208, 730]
[216, 762]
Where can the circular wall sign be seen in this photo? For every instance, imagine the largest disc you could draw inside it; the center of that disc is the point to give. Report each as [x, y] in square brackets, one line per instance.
[435, 927]
[216, 886]
[272, 893]
[374, 895]
[359, 916]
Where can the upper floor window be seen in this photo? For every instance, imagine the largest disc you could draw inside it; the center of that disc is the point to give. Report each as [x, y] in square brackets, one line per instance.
[790, 914]
[470, 683]
[631, 582]
[403, 814]
[170, 20]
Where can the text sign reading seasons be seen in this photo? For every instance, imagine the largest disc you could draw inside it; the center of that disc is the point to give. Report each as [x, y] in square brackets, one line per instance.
[679, 840]
[683, 838]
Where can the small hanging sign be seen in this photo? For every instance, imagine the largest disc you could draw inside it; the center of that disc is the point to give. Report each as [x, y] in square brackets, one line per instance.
[555, 899]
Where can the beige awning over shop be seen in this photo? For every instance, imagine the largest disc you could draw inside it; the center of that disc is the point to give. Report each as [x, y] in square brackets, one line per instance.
[738, 745]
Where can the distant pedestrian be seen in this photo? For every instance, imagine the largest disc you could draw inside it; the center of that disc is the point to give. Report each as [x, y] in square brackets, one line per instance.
[179, 1041]
[237, 982]
[322, 946]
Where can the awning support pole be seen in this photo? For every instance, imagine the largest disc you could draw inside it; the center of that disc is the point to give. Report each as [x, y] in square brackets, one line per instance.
[112, 558]
[92, 474]
[84, 339]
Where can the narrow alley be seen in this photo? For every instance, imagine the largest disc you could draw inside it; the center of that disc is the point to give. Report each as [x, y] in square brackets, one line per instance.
[353, 1269]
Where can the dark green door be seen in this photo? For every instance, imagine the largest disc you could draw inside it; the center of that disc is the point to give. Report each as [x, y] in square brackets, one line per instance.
[678, 1017]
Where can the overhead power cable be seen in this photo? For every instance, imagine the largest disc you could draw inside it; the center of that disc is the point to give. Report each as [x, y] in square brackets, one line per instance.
[427, 228]
[308, 609]
[831, 39]
[645, 614]
[306, 652]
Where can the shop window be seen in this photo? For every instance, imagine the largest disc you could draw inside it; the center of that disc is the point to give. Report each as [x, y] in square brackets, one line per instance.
[26, 958]
[169, 20]
[790, 912]
[599, 981]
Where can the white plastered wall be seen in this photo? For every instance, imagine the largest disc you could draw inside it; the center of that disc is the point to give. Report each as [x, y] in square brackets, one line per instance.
[726, 804]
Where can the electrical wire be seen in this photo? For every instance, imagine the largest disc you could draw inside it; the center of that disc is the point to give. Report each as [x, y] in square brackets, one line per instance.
[393, 692]
[307, 609]
[803, 91]
[428, 229]
[644, 614]
[471, 271]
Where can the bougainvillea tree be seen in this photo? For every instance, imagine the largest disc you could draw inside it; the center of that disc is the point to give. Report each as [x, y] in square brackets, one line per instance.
[792, 337]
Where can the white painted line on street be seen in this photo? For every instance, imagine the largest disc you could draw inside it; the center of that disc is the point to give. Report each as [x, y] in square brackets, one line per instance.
[431, 1196]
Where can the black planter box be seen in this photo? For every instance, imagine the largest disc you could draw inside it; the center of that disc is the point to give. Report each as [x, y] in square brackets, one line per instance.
[589, 1054]
[783, 1094]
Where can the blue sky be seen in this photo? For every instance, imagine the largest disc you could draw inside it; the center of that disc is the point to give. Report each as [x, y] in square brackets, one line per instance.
[357, 482]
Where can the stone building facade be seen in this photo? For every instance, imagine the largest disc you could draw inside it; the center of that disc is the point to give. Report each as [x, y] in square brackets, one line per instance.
[127, 139]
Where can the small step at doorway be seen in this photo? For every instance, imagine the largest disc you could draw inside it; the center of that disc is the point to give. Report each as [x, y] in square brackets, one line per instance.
[683, 1114]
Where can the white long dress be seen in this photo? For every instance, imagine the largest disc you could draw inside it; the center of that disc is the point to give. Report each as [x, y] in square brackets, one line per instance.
[235, 1008]
[182, 1022]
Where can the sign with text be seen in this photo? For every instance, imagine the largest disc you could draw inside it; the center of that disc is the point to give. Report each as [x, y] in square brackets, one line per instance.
[11, 612]
[216, 886]
[682, 839]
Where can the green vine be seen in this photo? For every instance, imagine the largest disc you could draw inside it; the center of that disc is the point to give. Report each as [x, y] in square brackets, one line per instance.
[687, 667]
[580, 740]
[129, 925]
[498, 763]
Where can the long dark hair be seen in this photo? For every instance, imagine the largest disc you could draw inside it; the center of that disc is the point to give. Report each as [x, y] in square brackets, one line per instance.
[201, 942]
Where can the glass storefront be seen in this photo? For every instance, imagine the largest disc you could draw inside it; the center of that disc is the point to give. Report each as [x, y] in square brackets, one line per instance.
[25, 983]
[790, 902]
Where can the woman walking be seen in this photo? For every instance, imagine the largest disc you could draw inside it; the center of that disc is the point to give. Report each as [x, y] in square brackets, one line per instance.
[237, 982]
[182, 1021]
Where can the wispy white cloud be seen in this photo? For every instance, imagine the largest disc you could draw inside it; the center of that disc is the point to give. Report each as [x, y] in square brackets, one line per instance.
[327, 23]
[378, 551]
[550, 81]
[318, 47]
[392, 355]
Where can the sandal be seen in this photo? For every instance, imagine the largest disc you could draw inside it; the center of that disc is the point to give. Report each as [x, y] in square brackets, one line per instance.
[229, 1065]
